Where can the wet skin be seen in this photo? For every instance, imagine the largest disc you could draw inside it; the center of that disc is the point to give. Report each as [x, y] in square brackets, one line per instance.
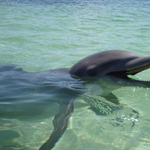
[62, 86]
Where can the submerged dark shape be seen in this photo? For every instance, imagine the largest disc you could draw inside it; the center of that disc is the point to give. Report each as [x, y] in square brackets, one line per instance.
[64, 85]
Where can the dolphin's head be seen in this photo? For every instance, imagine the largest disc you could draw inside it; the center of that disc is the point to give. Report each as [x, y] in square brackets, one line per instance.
[118, 63]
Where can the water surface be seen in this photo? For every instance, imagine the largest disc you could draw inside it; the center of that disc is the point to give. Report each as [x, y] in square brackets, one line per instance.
[42, 35]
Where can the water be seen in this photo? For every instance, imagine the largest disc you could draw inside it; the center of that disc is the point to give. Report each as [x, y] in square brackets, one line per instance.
[41, 35]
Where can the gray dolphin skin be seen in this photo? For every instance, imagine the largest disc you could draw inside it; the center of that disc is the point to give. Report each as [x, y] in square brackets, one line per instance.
[25, 90]
[116, 62]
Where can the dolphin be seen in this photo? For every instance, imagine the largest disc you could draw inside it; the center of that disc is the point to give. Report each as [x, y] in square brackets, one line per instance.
[62, 86]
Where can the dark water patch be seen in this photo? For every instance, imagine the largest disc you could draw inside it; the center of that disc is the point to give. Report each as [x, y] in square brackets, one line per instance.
[82, 2]
[7, 139]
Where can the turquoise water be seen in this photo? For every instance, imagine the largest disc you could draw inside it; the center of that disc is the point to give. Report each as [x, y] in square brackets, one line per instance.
[41, 35]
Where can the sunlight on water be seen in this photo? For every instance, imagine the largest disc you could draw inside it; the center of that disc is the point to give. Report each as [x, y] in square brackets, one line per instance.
[40, 35]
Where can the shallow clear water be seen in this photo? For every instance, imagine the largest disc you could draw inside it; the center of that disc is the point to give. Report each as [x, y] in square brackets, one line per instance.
[41, 35]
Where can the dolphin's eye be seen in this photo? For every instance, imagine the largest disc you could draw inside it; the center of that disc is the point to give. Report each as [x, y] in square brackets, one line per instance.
[92, 72]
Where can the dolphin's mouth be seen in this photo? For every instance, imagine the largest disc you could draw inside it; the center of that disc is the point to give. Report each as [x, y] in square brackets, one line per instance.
[124, 74]
[137, 69]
